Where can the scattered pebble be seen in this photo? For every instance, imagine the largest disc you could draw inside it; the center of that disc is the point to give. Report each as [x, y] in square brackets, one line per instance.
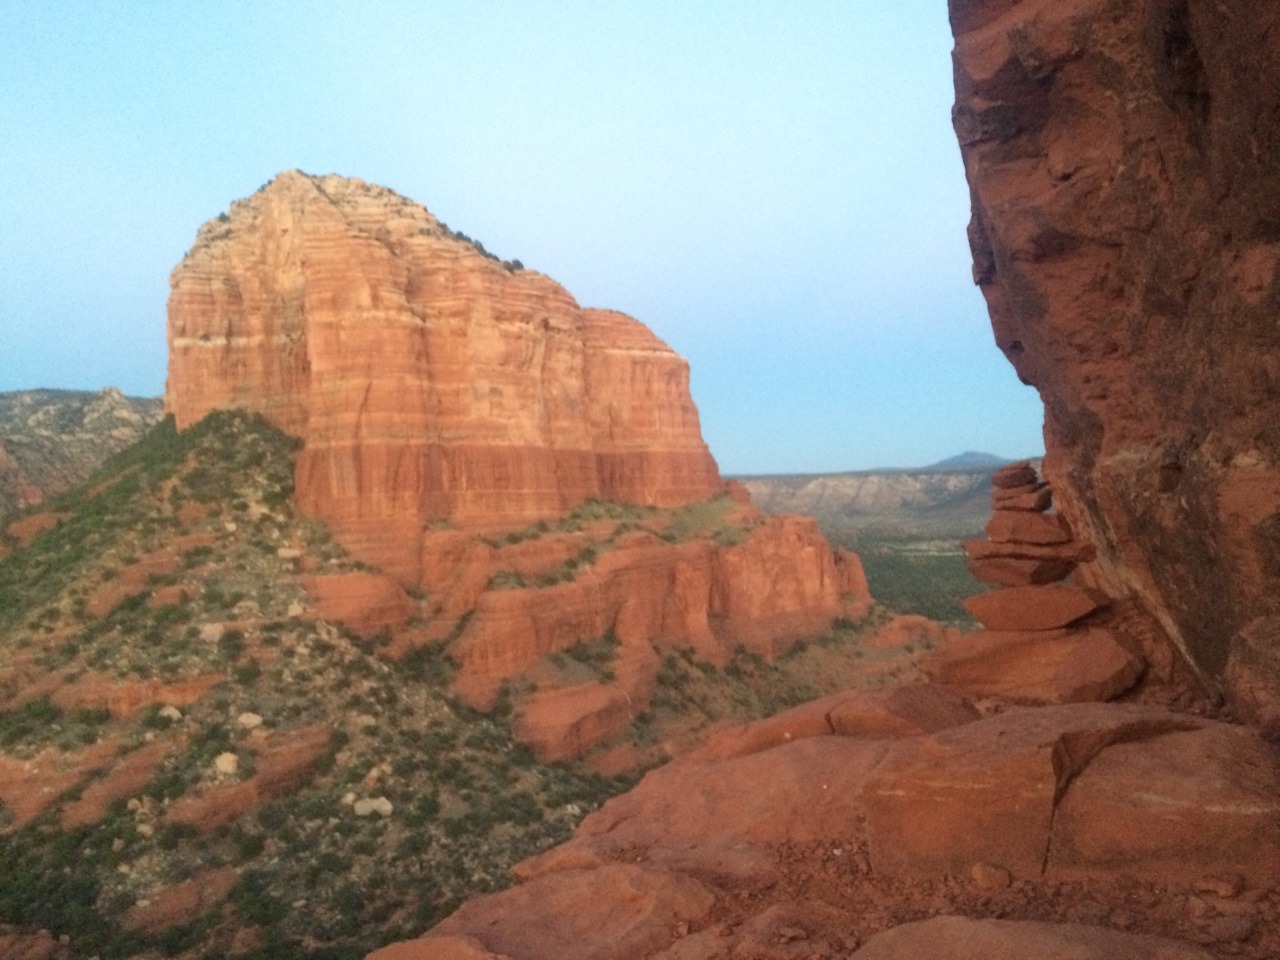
[212, 632]
[227, 764]
[371, 805]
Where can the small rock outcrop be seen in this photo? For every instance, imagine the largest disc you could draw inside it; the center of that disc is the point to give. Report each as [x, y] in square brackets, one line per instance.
[1042, 642]
[1124, 167]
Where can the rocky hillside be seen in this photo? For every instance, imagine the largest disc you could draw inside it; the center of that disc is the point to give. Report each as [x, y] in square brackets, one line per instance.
[197, 754]
[1123, 169]
[50, 440]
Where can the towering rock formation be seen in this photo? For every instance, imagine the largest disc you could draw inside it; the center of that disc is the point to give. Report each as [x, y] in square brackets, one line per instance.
[454, 411]
[428, 381]
[1124, 164]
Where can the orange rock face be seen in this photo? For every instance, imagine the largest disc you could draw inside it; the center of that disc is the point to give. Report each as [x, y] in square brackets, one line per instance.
[1125, 175]
[455, 411]
[786, 837]
[427, 381]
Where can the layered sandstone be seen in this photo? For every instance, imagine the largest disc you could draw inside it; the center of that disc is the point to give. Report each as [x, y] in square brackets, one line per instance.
[528, 475]
[429, 382]
[1124, 164]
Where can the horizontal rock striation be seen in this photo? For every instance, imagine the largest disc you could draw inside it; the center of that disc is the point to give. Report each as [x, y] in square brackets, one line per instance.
[428, 381]
[1124, 165]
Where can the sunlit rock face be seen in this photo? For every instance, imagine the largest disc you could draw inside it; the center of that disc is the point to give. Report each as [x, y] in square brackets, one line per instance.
[1124, 164]
[429, 382]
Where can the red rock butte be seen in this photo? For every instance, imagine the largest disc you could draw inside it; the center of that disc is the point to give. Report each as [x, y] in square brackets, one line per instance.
[428, 381]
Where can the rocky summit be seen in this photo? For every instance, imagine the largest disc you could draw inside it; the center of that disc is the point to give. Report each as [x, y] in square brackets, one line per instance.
[431, 383]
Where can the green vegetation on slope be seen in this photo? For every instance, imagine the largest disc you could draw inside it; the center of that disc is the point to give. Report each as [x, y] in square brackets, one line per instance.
[928, 578]
[457, 801]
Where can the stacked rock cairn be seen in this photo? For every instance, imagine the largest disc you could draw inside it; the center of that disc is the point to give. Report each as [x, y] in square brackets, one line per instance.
[1043, 640]
[1028, 550]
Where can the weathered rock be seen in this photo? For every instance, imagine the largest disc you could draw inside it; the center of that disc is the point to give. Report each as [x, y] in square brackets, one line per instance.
[986, 792]
[1014, 475]
[960, 938]
[612, 913]
[1253, 664]
[99, 691]
[900, 712]
[282, 761]
[127, 778]
[26, 529]
[799, 792]
[1059, 666]
[30, 787]
[563, 724]
[1019, 571]
[368, 806]
[908, 629]
[1125, 173]
[780, 584]
[428, 381]
[182, 903]
[1022, 526]
[437, 948]
[1036, 499]
[870, 714]
[1175, 809]
[1070, 552]
[364, 603]
[1044, 607]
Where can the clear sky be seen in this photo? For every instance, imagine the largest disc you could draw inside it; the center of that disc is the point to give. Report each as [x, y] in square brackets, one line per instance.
[773, 187]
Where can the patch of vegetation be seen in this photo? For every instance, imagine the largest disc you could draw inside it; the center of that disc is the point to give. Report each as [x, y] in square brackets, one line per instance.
[32, 719]
[709, 518]
[930, 578]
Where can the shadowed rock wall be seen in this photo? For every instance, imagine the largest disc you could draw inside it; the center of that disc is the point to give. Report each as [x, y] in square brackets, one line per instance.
[1124, 165]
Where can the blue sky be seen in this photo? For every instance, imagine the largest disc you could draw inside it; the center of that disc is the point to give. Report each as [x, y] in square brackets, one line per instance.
[774, 188]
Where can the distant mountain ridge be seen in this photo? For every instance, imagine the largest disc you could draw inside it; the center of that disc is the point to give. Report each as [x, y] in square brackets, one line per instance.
[50, 440]
[947, 500]
[970, 460]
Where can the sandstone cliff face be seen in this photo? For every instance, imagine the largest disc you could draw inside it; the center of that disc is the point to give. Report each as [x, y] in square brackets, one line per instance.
[1124, 163]
[429, 382]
